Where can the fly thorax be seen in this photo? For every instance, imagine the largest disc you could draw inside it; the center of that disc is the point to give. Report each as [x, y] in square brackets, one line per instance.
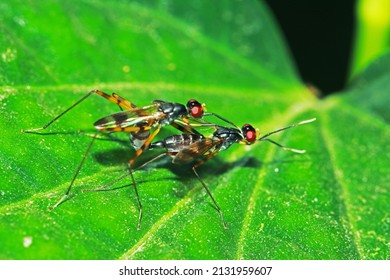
[228, 136]
[172, 112]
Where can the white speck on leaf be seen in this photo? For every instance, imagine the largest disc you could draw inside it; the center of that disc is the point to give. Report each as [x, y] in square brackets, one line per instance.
[27, 241]
[9, 55]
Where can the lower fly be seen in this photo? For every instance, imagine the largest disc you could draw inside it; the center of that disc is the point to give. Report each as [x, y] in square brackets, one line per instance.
[197, 149]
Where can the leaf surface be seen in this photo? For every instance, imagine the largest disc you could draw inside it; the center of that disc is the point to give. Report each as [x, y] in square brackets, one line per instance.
[330, 203]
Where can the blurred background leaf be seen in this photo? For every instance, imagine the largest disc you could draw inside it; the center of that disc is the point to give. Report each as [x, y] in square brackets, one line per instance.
[330, 203]
[372, 38]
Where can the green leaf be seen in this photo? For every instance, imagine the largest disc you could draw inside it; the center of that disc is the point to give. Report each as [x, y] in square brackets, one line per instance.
[372, 33]
[330, 203]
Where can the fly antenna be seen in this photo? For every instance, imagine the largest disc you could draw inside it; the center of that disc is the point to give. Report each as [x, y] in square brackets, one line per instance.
[265, 137]
[221, 118]
[285, 128]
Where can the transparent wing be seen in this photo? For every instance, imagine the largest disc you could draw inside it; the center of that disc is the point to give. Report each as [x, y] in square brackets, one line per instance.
[195, 150]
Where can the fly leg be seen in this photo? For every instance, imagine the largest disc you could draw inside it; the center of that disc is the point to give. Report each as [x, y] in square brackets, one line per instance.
[130, 173]
[66, 195]
[114, 98]
[207, 189]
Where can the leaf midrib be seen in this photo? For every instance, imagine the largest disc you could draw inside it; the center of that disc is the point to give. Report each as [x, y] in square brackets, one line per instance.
[290, 115]
[348, 225]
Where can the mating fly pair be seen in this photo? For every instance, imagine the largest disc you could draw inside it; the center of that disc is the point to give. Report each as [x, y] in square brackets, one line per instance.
[139, 123]
[191, 146]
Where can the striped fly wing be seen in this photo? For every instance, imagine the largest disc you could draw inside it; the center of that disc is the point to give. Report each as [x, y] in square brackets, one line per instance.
[195, 150]
[135, 117]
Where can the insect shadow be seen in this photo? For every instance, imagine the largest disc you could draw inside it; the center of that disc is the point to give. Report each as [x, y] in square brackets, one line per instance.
[211, 169]
[113, 157]
[182, 173]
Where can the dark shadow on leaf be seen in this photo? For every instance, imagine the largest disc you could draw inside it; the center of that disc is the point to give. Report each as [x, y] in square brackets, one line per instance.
[213, 168]
[114, 157]
[124, 184]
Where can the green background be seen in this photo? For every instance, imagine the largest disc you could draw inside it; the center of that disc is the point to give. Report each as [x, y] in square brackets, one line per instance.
[330, 203]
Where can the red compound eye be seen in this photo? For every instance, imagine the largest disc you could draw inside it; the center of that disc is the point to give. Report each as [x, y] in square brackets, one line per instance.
[249, 133]
[195, 108]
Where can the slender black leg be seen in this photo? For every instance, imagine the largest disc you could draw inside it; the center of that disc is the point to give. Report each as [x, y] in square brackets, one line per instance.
[114, 98]
[66, 195]
[212, 198]
[130, 173]
[138, 199]
[283, 147]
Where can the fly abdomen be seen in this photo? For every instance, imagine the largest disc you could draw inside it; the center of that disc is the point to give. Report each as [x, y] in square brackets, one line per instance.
[176, 143]
[138, 138]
